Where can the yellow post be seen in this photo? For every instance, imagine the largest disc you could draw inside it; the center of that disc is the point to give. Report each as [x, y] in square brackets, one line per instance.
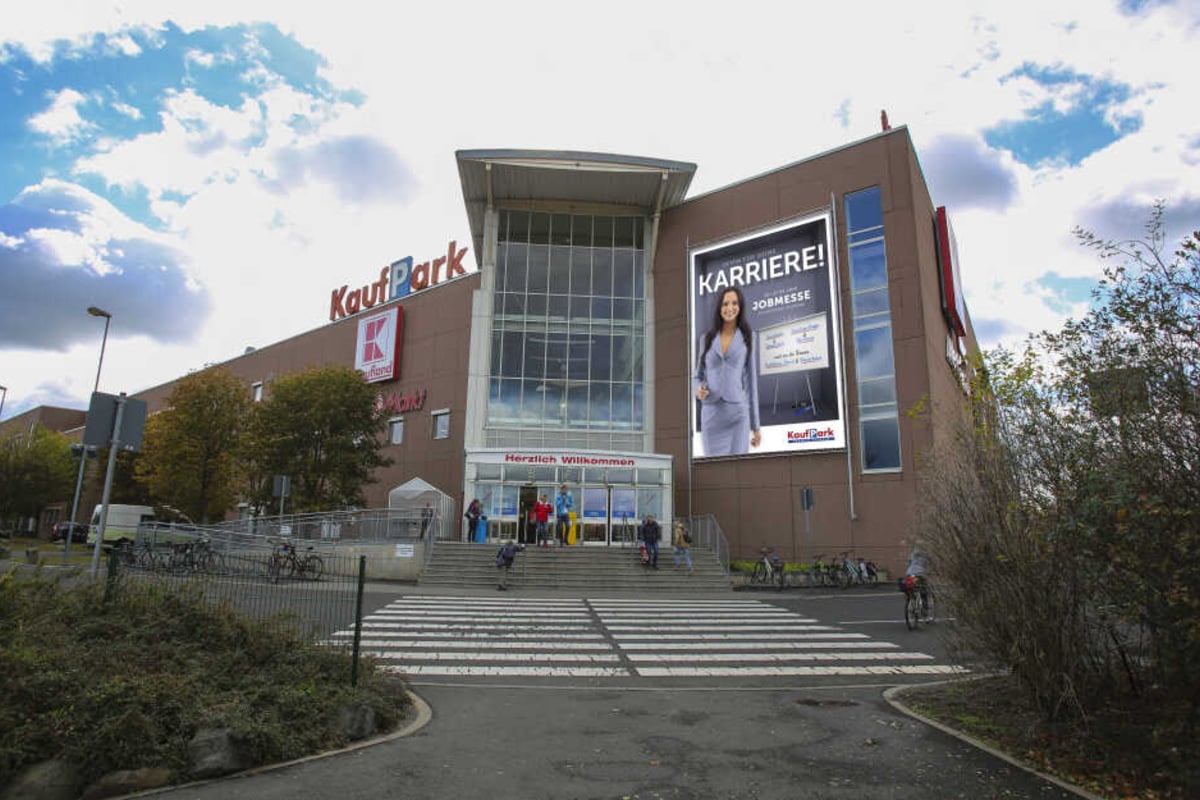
[571, 529]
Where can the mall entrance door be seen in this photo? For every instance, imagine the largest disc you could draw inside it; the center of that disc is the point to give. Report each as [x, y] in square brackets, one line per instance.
[526, 527]
[609, 515]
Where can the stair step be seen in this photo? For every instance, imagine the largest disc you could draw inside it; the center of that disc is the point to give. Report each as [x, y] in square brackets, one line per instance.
[572, 568]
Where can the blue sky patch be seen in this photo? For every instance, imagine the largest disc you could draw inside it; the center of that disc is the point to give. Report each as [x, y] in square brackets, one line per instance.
[1065, 293]
[1069, 127]
[121, 92]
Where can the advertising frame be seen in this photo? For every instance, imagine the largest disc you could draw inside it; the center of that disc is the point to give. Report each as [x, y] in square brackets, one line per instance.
[786, 274]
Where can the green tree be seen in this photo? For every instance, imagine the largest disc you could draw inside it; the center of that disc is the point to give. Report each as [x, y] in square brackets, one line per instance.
[321, 428]
[1066, 523]
[36, 469]
[190, 452]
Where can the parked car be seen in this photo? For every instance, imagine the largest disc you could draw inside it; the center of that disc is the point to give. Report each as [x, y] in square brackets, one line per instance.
[79, 531]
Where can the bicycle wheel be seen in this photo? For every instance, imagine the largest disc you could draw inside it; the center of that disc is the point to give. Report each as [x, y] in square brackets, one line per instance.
[280, 567]
[312, 567]
[912, 609]
[760, 573]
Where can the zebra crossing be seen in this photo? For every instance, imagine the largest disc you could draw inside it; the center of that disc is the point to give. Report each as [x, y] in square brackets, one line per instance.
[422, 636]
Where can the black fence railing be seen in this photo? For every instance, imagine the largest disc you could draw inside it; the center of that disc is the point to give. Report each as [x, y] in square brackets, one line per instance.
[316, 595]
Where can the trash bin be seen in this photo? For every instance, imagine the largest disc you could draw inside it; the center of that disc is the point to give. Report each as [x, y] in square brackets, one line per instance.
[481, 529]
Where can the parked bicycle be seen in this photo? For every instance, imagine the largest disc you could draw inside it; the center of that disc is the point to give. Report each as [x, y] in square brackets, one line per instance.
[769, 570]
[918, 600]
[868, 572]
[197, 556]
[286, 562]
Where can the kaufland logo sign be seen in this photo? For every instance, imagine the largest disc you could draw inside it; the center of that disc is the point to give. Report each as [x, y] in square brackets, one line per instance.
[377, 352]
[398, 279]
[810, 435]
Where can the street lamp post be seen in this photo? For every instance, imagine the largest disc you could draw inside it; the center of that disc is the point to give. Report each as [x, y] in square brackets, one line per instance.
[95, 312]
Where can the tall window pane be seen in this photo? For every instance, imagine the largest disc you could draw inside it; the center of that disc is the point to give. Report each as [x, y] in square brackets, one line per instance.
[874, 357]
[570, 303]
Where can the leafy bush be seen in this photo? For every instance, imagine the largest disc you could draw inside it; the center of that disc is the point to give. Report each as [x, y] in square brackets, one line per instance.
[127, 683]
[1065, 521]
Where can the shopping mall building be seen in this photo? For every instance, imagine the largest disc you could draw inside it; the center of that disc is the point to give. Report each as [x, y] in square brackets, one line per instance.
[558, 344]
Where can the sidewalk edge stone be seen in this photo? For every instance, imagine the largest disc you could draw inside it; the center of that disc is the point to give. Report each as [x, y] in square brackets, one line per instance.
[893, 698]
[420, 720]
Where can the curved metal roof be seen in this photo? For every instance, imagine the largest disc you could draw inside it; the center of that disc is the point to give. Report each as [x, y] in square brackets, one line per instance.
[566, 179]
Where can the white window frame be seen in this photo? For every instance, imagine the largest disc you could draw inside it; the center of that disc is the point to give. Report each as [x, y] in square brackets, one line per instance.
[437, 416]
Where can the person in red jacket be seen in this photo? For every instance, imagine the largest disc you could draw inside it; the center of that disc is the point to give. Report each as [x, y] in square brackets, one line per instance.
[541, 518]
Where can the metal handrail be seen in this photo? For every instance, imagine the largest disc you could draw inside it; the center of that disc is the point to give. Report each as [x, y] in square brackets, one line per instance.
[706, 532]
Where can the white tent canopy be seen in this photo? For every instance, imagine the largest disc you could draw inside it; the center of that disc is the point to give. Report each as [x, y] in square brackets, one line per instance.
[415, 496]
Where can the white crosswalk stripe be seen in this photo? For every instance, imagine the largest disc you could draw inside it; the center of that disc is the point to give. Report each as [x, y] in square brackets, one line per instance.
[584, 638]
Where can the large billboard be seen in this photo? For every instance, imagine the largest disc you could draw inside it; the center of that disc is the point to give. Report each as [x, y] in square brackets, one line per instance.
[782, 393]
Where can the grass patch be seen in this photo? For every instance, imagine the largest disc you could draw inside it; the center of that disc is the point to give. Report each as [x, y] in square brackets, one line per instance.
[1133, 749]
[127, 683]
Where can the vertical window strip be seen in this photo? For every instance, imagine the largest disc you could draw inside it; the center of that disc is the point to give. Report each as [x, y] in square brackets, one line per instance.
[878, 423]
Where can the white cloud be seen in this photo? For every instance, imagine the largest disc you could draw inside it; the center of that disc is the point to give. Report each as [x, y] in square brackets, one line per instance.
[61, 122]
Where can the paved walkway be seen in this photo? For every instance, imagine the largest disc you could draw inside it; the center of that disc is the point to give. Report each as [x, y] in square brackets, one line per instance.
[719, 697]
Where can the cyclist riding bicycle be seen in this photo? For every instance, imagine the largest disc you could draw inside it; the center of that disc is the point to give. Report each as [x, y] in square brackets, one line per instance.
[915, 576]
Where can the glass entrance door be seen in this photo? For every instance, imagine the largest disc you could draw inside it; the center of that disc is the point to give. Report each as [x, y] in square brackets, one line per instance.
[624, 518]
[595, 515]
[526, 528]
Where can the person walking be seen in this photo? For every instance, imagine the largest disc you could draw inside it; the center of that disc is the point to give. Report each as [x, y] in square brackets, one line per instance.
[504, 561]
[426, 519]
[563, 504]
[680, 542]
[474, 512]
[651, 531]
[541, 519]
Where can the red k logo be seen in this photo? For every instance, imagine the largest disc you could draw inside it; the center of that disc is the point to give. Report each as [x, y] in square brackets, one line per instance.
[376, 340]
[377, 351]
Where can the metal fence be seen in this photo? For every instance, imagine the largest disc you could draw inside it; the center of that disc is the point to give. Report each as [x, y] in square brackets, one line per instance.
[314, 593]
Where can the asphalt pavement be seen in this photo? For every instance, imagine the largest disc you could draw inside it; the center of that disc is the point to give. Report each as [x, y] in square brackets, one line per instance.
[691, 734]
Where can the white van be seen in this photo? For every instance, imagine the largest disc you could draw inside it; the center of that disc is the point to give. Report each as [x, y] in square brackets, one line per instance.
[122, 522]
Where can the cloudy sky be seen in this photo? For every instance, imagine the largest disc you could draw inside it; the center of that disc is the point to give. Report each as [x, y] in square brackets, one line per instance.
[208, 172]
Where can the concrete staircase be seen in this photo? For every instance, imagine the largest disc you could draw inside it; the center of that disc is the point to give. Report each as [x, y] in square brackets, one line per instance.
[573, 569]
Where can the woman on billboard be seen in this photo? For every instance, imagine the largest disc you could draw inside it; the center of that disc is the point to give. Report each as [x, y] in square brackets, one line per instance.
[727, 381]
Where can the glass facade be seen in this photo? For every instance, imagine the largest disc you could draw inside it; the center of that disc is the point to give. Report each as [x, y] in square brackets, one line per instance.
[875, 365]
[610, 502]
[568, 340]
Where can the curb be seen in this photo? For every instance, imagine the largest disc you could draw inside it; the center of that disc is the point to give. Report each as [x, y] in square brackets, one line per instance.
[423, 716]
[892, 696]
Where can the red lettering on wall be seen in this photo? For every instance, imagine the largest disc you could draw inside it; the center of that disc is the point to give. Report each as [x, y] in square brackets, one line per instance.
[398, 403]
[343, 302]
[454, 265]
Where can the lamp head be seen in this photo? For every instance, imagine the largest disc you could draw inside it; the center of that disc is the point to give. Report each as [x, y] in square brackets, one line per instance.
[99, 312]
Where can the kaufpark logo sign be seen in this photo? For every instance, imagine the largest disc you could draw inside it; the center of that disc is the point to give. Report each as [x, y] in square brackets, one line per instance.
[811, 435]
[398, 279]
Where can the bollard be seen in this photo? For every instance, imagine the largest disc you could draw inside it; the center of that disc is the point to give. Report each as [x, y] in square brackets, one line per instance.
[358, 616]
[110, 584]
